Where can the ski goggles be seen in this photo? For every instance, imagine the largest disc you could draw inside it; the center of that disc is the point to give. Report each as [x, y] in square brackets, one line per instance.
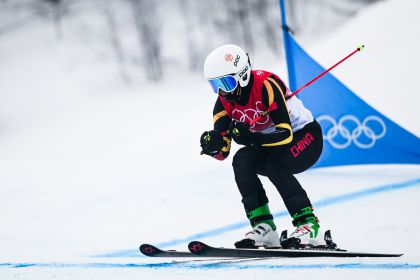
[225, 83]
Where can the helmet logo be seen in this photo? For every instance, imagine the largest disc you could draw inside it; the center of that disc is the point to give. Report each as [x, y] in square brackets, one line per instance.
[243, 71]
[236, 60]
[228, 57]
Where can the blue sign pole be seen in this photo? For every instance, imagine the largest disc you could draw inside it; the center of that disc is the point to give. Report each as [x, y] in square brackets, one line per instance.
[289, 56]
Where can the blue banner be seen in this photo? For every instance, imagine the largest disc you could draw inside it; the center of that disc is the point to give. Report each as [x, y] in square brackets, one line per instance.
[354, 132]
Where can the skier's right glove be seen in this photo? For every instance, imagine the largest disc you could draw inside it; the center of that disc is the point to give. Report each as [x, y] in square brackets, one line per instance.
[212, 142]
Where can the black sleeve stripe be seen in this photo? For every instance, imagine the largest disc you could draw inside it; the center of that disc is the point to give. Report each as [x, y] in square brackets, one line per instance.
[270, 92]
[273, 92]
[274, 82]
[221, 120]
[264, 96]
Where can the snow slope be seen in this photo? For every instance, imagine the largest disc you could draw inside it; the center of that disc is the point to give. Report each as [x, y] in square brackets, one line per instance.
[90, 169]
[385, 74]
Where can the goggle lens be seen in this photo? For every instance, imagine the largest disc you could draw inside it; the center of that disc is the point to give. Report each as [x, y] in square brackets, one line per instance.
[226, 83]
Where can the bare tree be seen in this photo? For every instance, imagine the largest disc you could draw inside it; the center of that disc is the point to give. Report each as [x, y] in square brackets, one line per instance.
[252, 24]
[238, 23]
[262, 11]
[107, 7]
[56, 15]
[188, 10]
[198, 30]
[148, 30]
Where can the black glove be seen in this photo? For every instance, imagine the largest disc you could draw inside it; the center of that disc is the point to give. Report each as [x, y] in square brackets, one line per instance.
[211, 142]
[240, 133]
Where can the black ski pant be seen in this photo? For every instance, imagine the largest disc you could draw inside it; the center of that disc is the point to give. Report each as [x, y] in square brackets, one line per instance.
[278, 163]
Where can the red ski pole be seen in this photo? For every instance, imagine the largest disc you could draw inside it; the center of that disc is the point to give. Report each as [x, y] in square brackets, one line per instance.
[360, 48]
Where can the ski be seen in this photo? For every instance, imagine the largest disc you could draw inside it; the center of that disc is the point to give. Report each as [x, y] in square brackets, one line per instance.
[153, 251]
[291, 248]
[202, 249]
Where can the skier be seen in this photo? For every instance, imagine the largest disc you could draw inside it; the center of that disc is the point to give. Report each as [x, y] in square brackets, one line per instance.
[285, 140]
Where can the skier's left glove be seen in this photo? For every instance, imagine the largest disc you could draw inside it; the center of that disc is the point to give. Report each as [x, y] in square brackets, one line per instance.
[241, 134]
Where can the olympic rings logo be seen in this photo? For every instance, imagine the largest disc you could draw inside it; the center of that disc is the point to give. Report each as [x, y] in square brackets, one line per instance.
[349, 129]
[250, 114]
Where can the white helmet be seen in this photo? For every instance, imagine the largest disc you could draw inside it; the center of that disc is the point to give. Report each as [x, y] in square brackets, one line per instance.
[228, 60]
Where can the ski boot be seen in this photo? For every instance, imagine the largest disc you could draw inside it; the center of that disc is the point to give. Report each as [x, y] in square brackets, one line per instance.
[295, 243]
[262, 235]
[306, 235]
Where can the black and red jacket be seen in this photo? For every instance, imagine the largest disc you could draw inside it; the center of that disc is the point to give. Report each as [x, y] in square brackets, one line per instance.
[264, 96]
